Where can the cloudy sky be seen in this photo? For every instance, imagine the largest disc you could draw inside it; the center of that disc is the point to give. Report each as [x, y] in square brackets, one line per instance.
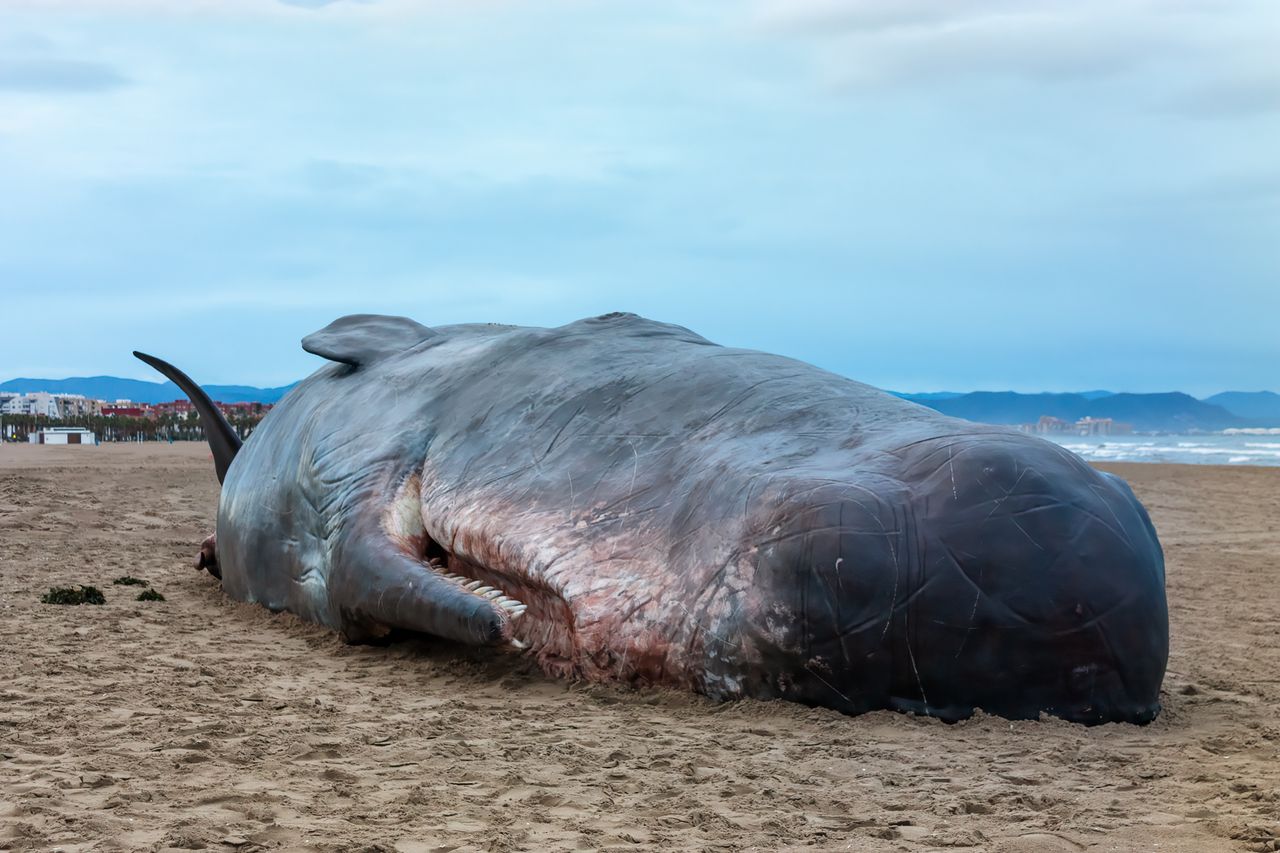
[922, 194]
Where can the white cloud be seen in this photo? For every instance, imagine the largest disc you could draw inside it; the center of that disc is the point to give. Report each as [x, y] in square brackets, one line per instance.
[882, 43]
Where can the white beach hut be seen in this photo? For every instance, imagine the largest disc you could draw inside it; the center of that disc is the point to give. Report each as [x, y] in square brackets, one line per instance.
[63, 435]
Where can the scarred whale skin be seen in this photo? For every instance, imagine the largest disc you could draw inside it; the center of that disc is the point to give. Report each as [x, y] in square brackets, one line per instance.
[652, 508]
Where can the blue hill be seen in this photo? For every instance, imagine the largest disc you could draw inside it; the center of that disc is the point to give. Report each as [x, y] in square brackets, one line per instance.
[114, 388]
[1259, 408]
[1169, 412]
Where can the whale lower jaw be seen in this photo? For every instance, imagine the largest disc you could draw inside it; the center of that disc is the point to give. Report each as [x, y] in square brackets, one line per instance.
[513, 606]
[541, 621]
[538, 620]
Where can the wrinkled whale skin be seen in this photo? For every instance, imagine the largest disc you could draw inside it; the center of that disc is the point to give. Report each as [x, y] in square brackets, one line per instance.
[675, 512]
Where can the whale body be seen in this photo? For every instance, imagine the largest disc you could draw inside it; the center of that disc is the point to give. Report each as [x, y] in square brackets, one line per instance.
[623, 500]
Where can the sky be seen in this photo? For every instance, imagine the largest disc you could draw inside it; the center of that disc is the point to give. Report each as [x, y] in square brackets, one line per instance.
[920, 194]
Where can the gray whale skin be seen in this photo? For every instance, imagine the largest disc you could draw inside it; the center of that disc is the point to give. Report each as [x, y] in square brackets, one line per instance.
[622, 500]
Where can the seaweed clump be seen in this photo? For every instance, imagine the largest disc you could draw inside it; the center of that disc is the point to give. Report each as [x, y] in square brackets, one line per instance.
[71, 595]
[130, 580]
[150, 595]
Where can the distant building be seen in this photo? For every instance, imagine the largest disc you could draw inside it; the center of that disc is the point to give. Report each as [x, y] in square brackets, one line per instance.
[180, 408]
[243, 409]
[1101, 426]
[44, 404]
[40, 403]
[1050, 424]
[77, 405]
[123, 411]
[63, 435]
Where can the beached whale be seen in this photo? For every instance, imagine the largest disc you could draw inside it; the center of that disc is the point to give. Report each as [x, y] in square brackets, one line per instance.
[623, 500]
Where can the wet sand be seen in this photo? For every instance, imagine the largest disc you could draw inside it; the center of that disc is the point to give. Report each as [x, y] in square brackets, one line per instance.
[203, 723]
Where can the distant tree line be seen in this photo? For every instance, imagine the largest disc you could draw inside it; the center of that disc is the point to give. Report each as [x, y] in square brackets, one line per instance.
[119, 428]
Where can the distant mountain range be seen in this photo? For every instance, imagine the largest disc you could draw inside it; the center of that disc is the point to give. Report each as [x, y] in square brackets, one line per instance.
[113, 388]
[1250, 405]
[1168, 412]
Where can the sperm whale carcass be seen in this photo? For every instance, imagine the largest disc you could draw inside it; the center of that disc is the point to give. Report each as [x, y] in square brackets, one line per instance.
[623, 500]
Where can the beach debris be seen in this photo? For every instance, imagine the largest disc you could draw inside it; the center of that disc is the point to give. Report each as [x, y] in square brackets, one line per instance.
[150, 595]
[129, 580]
[71, 595]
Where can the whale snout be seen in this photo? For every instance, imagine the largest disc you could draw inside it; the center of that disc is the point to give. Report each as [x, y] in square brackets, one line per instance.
[1057, 580]
[992, 571]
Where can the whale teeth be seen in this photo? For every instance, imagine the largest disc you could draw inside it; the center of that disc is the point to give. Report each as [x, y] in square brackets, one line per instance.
[512, 607]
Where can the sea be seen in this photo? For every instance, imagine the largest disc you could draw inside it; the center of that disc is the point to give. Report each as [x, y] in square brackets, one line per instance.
[1232, 447]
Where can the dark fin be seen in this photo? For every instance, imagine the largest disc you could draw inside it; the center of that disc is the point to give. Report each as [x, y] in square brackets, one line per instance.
[364, 338]
[223, 440]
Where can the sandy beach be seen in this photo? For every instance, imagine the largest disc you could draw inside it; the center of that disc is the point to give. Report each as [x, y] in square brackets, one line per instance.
[203, 723]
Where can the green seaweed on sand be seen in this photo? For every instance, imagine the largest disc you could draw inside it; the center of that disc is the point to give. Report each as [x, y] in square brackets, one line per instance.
[71, 595]
[150, 595]
[130, 580]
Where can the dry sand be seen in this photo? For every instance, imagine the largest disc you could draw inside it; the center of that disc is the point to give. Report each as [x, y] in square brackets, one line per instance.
[203, 723]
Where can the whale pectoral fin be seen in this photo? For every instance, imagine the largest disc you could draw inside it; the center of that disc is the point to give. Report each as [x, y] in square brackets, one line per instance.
[379, 586]
[364, 338]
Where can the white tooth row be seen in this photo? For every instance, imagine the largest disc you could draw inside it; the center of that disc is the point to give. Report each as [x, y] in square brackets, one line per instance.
[512, 606]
